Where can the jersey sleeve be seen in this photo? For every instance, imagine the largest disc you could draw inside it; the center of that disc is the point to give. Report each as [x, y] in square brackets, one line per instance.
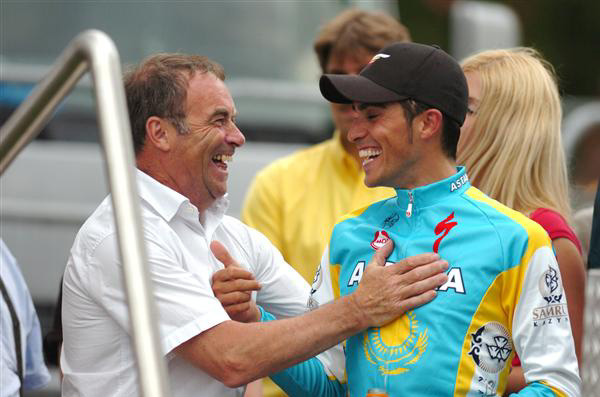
[325, 289]
[307, 378]
[323, 375]
[541, 330]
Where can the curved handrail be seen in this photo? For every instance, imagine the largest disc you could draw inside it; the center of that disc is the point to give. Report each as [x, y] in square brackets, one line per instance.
[93, 50]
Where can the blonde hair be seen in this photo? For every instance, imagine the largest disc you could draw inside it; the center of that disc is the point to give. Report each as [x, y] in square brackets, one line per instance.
[516, 154]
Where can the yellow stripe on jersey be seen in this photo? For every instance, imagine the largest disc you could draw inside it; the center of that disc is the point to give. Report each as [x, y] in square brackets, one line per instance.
[505, 289]
[490, 311]
[334, 272]
[559, 393]
[353, 214]
[537, 235]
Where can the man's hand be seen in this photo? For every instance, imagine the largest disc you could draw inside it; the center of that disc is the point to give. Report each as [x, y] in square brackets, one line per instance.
[233, 287]
[387, 292]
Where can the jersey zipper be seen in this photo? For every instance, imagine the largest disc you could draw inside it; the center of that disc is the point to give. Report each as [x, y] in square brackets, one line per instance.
[410, 205]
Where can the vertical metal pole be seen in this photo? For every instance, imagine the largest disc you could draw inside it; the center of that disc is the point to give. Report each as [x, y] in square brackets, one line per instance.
[95, 51]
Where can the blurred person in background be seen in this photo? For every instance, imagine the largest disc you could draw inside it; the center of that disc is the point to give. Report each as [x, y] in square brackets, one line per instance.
[21, 358]
[581, 133]
[295, 200]
[585, 165]
[582, 226]
[511, 145]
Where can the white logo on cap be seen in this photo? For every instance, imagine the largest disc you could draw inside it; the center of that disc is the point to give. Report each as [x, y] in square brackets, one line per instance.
[379, 56]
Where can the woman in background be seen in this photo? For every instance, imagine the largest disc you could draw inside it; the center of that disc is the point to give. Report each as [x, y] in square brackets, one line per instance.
[511, 145]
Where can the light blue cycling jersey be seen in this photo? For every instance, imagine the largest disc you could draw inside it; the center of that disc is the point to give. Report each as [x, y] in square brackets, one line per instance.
[504, 295]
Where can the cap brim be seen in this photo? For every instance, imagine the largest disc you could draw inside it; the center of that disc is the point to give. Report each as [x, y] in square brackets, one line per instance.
[343, 88]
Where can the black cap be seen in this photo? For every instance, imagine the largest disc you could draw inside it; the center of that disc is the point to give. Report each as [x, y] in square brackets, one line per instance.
[404, 71]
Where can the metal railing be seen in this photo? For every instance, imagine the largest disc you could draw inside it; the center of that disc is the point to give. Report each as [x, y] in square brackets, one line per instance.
[94, 51]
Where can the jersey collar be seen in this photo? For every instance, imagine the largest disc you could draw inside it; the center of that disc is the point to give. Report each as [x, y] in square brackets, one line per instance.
[425, 196]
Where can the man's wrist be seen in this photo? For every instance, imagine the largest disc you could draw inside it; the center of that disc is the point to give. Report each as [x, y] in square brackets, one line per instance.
[355, 315]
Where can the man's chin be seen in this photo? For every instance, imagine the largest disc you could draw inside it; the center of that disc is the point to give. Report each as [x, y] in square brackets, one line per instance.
[218, 192]
[370, 183]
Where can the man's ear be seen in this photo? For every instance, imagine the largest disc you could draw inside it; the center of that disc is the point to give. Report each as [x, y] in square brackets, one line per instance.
[157, 134]
[430, 123]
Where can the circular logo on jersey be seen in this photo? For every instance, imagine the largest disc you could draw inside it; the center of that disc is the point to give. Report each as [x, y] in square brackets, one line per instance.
[550, 285]
[491, 347]
[381, 237]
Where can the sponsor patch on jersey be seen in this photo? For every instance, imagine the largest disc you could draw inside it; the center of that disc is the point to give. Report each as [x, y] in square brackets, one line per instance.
[491, 347]
[460, 182]
[455, 281]
[390, 220]
[550, 285]
[396, 347]
[443, 227]
[381, 237]
[317, 281]
[312, 303]
[551, 289]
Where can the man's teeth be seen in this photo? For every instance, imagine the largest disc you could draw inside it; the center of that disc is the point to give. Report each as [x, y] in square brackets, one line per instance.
[223, 158]
[367, 153]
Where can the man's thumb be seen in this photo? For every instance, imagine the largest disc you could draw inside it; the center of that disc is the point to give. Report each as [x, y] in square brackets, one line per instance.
[221, 253]
[382, 253]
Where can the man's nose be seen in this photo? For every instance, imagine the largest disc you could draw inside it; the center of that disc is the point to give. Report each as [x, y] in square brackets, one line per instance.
[234, 136]
[357, 130]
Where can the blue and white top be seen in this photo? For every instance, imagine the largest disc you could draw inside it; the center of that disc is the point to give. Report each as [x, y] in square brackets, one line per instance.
[504, 295]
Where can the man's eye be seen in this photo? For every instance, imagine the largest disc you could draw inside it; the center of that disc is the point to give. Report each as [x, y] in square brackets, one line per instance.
[372, 116]
[219, 122]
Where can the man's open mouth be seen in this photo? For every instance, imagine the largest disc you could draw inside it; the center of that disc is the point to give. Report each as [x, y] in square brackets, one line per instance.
[221, 160]
[367, 155]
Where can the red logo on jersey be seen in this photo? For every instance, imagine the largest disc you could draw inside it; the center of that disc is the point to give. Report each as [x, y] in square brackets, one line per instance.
[444, 226]
[381, 237]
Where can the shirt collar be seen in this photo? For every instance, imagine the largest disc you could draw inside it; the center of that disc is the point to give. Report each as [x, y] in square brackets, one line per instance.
[433, 193]
[167, 202]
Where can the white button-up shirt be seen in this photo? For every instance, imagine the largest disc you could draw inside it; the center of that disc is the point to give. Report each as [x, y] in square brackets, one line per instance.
[98, 358]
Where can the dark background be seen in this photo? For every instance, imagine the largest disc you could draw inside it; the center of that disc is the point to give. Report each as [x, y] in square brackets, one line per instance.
[566, 32]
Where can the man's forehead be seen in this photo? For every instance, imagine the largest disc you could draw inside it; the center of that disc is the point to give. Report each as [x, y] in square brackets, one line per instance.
[208, 90]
